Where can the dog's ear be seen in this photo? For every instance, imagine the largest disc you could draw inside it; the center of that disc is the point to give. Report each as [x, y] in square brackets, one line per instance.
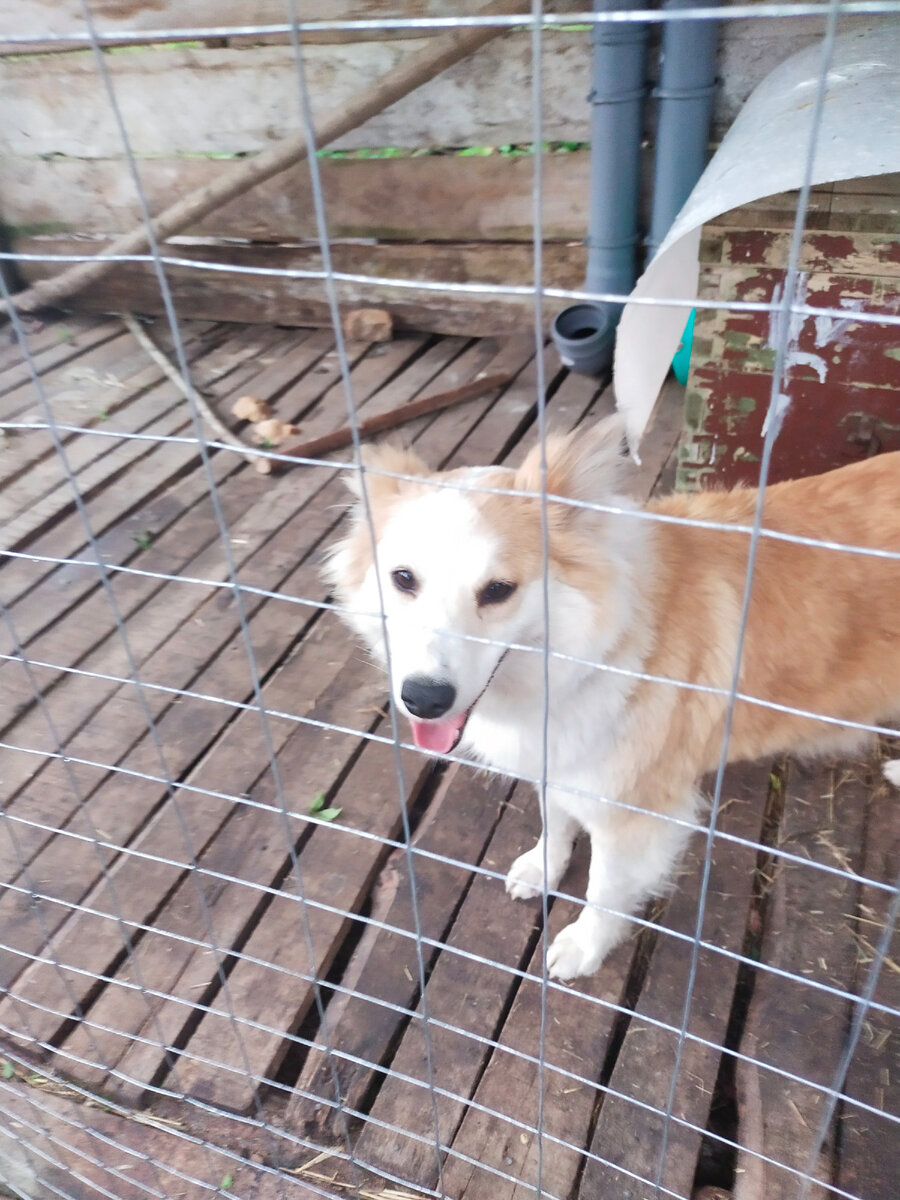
[585, 464]
[379, 458]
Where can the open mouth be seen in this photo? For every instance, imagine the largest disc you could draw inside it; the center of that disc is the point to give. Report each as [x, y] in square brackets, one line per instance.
[443, 735]
[439, 737]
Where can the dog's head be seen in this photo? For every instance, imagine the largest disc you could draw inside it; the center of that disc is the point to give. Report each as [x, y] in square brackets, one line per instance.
[457, 559]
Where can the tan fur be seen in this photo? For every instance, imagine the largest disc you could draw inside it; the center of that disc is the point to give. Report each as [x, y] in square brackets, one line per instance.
[823, 633]
[822, 637]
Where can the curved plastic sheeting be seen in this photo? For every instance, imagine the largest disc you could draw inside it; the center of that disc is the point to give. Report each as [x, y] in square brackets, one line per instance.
[763, 153]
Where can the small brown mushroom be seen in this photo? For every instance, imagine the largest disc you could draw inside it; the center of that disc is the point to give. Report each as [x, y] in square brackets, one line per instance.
[271, 432]
[250, 408]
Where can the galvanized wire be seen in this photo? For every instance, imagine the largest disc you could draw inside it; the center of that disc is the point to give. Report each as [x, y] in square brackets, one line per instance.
[431, 1087]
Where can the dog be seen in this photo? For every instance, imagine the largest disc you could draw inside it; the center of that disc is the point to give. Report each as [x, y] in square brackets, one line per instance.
[450, 568]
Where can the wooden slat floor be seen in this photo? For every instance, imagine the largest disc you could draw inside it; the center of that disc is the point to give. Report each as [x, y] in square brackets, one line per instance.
[162, 943]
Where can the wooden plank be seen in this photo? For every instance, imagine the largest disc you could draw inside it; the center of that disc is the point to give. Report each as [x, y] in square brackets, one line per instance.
[49, 342]
[128, 399]
[458, 823]
[254, 853]
[79, 704]
[627, 1139]
[440, 197]
[158, 398]
[749, 49]
[178, 832]
[578, 1031]
[178, 963]
[191, 647]
[230, 1055]
[364, 1029]
[54, 1143]
[861, 212]
[213, 101]
[64, 585]
[869, 1163]
[37, 608]
[273, 941]
[271, 299]
[468, 993]
[96, 391]
[171, 417]
[38, 20]
[509, 1084]
[69, 643]
[73, 340]
[790, 1025]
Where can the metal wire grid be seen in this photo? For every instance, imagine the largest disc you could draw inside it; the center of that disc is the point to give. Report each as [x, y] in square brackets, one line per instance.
[787, 305]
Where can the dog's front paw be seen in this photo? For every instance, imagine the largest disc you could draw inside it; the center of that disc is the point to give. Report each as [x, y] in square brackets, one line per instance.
[575, 951]
[526, 876]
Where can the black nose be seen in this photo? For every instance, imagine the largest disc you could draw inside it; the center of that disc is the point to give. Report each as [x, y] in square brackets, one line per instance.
[427, 698]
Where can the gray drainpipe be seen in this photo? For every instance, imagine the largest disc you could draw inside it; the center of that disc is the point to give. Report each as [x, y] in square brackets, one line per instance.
[585, 333]
[687, 84]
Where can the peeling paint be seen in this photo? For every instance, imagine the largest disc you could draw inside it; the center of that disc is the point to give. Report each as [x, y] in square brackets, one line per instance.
[835, 365]
[835, 329]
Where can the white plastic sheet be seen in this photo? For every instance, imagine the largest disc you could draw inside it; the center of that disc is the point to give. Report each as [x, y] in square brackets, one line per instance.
[763, 153]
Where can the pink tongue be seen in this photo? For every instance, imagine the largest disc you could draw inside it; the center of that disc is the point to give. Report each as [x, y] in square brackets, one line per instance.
[437, 736]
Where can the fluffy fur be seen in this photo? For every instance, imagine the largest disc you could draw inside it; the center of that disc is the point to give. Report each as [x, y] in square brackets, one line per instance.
[635, 595]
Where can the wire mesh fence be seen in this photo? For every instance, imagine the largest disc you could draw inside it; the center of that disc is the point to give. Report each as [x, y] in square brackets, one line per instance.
[255, 939]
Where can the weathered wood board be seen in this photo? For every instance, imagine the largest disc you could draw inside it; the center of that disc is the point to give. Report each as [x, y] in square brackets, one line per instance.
[237, 101]
[870, 1149]
[795, 1030]
[631, 1146]
[151, 641]
[384, 971]
[206, 885]
[435, 198]
[748, 49]
[167, 21]
[263, 290]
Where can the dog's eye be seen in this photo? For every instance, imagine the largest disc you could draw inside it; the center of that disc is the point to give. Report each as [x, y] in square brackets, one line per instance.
[495, 592]
[404, 580]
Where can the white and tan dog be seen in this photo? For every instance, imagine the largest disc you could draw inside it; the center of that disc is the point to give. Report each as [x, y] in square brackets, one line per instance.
[460, 570]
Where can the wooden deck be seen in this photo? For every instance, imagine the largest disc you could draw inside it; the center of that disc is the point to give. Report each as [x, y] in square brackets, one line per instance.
[155, 951]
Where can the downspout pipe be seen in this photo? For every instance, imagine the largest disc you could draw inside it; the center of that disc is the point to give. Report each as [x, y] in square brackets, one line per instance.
[687, 85]
[585, 333]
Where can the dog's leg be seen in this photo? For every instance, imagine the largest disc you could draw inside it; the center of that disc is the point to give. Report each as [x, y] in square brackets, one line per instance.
[632, 859]
[526, 875]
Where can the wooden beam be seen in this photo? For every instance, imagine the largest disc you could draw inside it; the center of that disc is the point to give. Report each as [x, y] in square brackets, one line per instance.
[432, 59]
[280, 299]
[439, 197]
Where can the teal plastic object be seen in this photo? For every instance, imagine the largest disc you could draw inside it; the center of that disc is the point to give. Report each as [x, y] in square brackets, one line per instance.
[682, 360]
